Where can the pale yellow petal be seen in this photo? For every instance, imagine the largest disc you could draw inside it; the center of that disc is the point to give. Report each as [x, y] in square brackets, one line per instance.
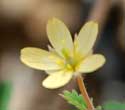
[59, 35]
[91, 63]
[57, 79]
[39, 59]
[86, 38]
[51, 71]
[53, 51]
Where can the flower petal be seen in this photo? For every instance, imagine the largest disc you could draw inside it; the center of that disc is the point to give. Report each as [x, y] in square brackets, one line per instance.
[91, 63]
[40, 59]
[57, 79]
[59, 35]
[86, 38]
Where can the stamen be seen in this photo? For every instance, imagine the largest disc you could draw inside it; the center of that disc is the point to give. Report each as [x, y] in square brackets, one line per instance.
[65, 53]
[69, 67]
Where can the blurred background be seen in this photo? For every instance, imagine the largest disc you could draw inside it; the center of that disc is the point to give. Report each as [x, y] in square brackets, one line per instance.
[23, 23]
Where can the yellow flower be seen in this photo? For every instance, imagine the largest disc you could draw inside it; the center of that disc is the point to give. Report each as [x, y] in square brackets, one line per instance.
[66, 58]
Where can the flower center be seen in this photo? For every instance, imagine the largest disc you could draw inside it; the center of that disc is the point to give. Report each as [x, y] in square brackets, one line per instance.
[71, 64]
[72, 59]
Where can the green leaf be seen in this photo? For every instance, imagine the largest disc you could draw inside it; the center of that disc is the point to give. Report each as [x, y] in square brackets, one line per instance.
[113, 105]
[5, 92]
[75, 99]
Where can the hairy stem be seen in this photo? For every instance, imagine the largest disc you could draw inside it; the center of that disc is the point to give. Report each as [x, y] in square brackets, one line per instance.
[84, 92]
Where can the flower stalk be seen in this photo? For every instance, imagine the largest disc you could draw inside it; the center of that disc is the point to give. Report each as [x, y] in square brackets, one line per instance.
[84, 93]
